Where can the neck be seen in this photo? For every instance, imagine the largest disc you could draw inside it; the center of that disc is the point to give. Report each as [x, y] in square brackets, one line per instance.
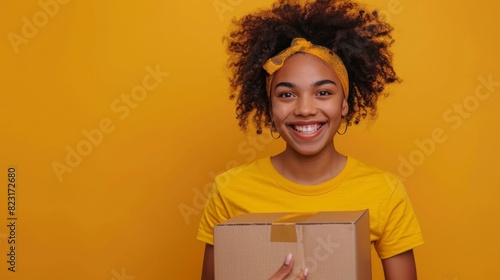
[309, 170]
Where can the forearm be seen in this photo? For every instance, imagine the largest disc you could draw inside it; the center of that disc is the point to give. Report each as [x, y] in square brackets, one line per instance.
[400, 267]
[208, 263]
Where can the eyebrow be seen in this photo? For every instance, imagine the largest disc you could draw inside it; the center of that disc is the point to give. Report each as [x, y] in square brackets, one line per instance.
[324, 82]
[316, 84]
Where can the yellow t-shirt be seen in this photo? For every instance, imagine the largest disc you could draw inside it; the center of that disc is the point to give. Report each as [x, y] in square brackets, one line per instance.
[258, 188]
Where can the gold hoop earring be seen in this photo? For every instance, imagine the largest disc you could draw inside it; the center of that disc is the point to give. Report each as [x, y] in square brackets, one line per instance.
[345, 130]
[273, 129]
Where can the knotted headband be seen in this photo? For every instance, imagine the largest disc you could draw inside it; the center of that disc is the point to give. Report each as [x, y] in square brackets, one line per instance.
[301, 45]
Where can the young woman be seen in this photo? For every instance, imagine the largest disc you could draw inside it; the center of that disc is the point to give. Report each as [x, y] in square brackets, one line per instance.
[308, 71]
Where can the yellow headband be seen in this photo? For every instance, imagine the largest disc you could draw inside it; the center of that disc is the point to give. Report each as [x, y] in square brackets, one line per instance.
[301, 45]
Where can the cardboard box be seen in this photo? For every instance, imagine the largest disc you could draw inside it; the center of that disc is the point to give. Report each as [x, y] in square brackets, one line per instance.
[333, 245]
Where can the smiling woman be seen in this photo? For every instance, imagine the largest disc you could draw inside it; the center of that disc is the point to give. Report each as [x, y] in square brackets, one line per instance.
[341, 33]
[308, 105]
[302, 70]
[69, 72]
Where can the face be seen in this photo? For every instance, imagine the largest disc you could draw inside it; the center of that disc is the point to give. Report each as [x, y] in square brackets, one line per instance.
[307, 104]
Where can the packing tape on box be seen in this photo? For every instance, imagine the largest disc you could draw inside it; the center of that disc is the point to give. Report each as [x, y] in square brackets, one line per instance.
[284, 228]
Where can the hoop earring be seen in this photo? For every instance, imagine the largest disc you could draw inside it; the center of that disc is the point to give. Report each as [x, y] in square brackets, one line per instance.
[345, 130]
[273, 129]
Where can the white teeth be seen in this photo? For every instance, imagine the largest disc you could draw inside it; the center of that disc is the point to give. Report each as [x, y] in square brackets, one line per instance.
[307, 129]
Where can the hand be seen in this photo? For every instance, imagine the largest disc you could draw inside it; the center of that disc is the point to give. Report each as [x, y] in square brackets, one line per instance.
[287, 268]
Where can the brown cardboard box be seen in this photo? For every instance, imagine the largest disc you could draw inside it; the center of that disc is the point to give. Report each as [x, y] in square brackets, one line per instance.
[333, 245]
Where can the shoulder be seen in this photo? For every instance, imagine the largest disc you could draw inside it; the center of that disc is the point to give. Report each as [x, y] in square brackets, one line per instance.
[244, 173]
[372, 176]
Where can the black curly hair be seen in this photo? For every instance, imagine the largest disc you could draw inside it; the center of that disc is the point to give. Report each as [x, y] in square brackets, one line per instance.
[359, 37]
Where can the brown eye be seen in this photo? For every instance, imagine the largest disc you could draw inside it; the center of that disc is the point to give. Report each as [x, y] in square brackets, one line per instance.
[324, 93]
[286, 95]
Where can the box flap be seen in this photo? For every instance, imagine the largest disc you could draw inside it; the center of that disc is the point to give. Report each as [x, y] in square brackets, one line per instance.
[338, 217]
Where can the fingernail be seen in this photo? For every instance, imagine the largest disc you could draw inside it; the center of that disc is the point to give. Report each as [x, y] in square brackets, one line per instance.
[306, 271]
[288, 259]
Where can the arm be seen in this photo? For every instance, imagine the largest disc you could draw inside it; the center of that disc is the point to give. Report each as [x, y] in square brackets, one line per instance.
[400, 267]
[283, 272]
[208, 263]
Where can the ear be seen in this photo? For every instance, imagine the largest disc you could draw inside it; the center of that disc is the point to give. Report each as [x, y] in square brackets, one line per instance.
[345, 108]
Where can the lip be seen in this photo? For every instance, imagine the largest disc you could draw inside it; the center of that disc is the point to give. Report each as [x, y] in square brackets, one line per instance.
[305, 134]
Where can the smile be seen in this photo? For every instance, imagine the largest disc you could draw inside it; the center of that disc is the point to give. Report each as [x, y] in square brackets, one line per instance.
[307, 129]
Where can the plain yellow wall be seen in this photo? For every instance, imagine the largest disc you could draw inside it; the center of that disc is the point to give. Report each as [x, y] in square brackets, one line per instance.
[116, 117]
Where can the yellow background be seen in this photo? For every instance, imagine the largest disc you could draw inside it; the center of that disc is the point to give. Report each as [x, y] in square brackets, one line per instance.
[129, 208]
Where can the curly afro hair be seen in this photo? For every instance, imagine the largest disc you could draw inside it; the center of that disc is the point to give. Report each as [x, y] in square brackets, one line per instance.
[359, 37]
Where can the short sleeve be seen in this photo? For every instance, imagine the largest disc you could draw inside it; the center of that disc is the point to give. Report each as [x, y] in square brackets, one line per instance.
[401, 231]
[214, 213]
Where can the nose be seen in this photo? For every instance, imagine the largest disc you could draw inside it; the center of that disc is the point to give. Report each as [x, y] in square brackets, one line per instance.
[305, 106]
